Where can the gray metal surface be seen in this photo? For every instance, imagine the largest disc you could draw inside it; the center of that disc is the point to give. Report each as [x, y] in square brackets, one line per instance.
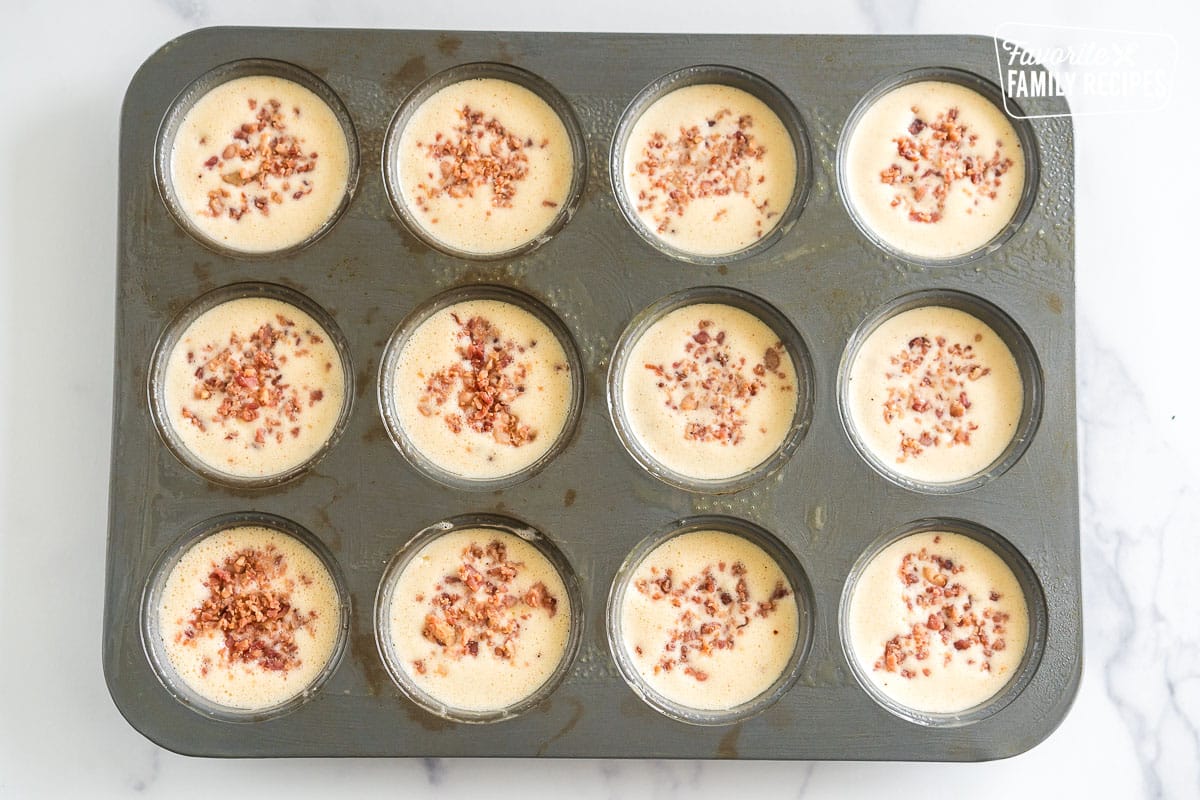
[364, 501]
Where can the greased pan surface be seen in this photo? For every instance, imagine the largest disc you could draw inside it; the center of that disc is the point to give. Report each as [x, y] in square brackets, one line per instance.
[364, 501]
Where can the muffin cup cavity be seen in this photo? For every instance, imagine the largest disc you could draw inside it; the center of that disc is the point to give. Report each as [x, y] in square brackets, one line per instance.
[392, 178]
[388, 401]
[990, 92]
[792, 570]
[736, 78]
[152, 595]
[159, 363]
[383, 608]
[247, 68]
[1035, 603]
[1010, 334]
[768, 315]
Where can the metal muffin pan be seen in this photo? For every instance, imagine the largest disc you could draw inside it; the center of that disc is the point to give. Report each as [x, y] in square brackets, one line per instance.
[825, 503]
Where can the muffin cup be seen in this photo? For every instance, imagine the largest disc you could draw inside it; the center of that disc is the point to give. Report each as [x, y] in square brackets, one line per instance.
[155, 650]
[210, 80]
[801, 589]
[1018, 344]
[773, 319]
[387, 392]
[1035, 603]
[992, 93]
[155, 386]
[383, 606]
[748, 82]
[465, 72]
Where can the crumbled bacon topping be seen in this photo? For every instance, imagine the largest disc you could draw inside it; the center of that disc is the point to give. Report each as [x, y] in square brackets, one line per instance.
[928, 394]
[711, 387]
[249, 605]
[482, 385]
[480, 608]
[970, 628]
[245, 379]
[715, 607]
[258, 151]
[697, 163]
[479, 151]
[937, 157]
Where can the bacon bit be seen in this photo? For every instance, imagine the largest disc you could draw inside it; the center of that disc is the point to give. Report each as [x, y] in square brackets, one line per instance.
[942, 160]
[485, 609]
[936, 578]
[771, 357]
[439, 631]
[539, 596]
[192, 418]
[697, 164]
[249, 608]
[484, 383]
[768, 605]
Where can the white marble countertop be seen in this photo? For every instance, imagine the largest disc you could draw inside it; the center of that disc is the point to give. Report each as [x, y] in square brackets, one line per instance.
[63, 69]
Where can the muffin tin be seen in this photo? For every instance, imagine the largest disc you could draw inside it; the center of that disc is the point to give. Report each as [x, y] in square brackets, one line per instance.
[823, 502]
